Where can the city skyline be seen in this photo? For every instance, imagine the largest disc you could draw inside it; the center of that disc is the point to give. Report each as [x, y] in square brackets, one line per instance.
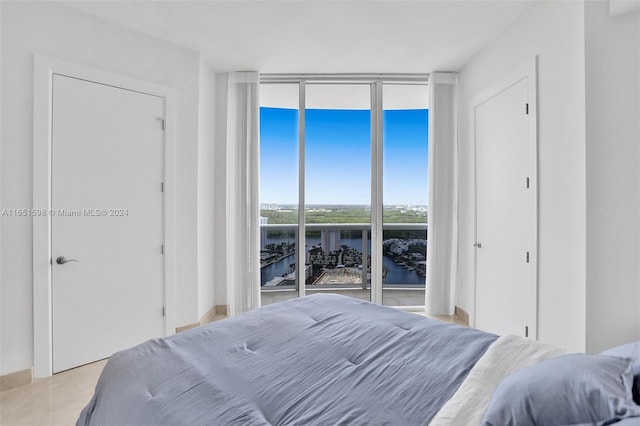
[338, 157]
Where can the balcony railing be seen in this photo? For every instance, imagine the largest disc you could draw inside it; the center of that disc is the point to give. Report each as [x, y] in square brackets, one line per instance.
[333, 266]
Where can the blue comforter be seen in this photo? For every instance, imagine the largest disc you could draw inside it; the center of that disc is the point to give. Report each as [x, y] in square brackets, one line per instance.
[318, 360]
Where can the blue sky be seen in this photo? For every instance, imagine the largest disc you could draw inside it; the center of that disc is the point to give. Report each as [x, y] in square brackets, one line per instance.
[338, 158]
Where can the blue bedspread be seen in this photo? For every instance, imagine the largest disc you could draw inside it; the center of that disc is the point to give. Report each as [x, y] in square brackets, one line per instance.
[319, 360]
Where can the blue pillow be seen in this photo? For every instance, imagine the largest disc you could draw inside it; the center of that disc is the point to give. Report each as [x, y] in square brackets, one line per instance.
[630, 350]
[566, 390]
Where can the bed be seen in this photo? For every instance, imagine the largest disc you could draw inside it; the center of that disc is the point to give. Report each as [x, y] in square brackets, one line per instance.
[332, 360]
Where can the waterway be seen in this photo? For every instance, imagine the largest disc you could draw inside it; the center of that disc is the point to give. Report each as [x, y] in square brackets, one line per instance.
[397, 274]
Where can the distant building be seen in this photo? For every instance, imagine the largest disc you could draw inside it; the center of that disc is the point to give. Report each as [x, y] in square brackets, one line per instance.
[399, 247]
[263, 232]
[265, 206]
[289, 279]
[330, 240]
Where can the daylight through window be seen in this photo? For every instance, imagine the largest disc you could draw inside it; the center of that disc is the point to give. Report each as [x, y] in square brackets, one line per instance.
[320, 189]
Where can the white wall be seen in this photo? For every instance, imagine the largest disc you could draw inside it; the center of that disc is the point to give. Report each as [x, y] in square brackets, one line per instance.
[2, 350]
[613, 178]
[56, 30]
[555, 32]
[220, 190]
[206, 180]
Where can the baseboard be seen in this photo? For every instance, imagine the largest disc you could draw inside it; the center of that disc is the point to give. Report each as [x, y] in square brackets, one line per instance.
[13, 380]
[221, 309]
[208, 317]
[462, 314]
[216, 310]
[187, 327]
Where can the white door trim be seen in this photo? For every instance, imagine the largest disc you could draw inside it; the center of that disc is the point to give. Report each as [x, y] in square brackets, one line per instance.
[527, 71]
[44, 69]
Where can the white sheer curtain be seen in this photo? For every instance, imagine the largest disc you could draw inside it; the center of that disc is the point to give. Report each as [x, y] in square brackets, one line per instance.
[243, 233]
[442, 239]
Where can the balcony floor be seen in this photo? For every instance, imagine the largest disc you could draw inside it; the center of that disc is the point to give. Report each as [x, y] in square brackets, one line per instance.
[389, 297]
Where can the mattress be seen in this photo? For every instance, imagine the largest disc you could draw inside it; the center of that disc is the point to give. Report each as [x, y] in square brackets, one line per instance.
[320, 360]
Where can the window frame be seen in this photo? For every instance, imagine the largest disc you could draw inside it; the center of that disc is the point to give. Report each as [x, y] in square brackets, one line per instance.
[375, 82]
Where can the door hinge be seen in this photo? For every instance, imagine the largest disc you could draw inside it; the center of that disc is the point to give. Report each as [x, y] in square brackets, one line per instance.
[162, 248]
[526, 331]
[162, 122]
[527, 183]
[527, 257]
[163, 312]
[161, 186]
[526, 109]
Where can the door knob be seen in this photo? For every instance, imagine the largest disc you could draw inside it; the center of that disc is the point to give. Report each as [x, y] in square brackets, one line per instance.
[477, 245]
[61, 260]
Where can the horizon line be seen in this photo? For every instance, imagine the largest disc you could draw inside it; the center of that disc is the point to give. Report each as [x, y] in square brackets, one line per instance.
[342, 204]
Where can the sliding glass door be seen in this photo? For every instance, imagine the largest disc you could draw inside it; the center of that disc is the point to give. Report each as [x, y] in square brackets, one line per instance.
[338, 188]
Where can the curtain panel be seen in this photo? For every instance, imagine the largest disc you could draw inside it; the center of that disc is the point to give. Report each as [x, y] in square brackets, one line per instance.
[242, 189]
[442, 239]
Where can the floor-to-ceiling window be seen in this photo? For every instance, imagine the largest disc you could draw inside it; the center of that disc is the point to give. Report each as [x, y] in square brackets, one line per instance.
[322, 195]
[279, 195]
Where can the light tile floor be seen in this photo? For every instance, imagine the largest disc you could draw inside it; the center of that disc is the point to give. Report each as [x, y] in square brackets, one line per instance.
[55, 400]
[58, 400]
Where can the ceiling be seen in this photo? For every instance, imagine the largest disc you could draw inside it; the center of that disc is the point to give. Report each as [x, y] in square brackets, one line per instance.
[313, 36]
[344, 96]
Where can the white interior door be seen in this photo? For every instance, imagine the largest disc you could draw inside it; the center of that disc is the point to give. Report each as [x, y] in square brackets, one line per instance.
[505, 215]
[107, 171]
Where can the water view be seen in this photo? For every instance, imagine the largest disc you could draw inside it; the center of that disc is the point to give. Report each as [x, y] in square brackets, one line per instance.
[397, 270]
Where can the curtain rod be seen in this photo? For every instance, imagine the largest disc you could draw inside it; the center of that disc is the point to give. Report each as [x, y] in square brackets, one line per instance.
[330, 78]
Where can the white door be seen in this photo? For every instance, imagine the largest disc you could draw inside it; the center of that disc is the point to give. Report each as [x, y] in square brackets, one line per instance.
[505, 215]
[107, 170]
